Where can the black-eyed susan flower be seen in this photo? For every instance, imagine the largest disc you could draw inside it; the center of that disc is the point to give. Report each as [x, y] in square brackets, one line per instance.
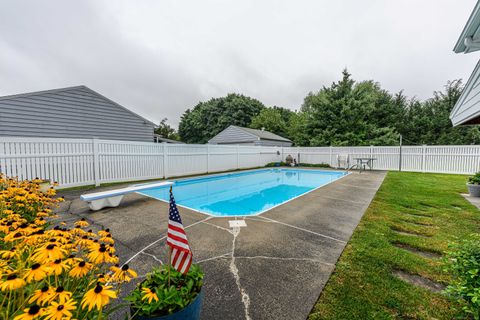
[99, 255]
[13, 282]
[104, 233]
[80, 269]
[36, 273]
[31, 313]
[149, 294]
[8, 254]
[61, 295]
[98, 297]
[124, 274]
[49, 252]
[42, 296]
[56, 267]
[60, 311]
[82, 223]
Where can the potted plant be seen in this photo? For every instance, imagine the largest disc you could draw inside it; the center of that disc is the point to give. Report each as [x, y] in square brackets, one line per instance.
[473, 185]
[167, 294]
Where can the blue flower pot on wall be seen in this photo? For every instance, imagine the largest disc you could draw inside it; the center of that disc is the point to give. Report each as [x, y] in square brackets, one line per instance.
[190, 312]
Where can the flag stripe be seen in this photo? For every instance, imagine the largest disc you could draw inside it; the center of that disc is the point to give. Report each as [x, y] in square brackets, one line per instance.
[179, 245]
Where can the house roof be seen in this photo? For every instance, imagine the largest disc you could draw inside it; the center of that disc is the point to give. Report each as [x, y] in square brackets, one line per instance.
[469, 39]
[21, 95]
[262, 134]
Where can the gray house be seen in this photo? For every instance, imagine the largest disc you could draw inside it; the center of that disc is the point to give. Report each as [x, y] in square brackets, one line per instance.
[251, 137]
[74, 112]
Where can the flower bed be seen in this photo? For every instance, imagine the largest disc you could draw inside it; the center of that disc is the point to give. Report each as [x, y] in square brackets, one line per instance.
[52, 271]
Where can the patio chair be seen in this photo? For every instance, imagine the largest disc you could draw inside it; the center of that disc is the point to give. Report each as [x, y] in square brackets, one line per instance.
[343, 161]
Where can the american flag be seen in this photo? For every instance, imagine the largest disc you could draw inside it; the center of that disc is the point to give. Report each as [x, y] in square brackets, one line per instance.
[180, 253]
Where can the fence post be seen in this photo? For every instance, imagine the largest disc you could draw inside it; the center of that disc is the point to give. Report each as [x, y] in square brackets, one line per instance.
[281, 159]
[96, 162]
[423, 157]
[208, 158]
[238, 156]
[330, 151]
[165, 161]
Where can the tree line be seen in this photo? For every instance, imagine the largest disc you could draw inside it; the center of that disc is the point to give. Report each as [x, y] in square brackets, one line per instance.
[347, 113]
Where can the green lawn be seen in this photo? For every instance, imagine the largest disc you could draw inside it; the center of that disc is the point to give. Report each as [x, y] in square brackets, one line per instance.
[362, 285]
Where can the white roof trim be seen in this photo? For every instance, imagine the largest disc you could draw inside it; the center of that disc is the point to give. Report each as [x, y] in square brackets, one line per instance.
[469, 39]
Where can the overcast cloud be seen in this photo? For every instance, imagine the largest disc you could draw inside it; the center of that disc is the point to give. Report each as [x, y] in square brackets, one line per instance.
[159, 58]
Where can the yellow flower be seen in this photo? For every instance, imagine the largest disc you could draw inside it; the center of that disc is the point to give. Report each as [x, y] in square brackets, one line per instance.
[13, 236]
[149, 294]
[124, 274]
[56, 267]
[107, 239]
[82, 223]
[81, 269]
[36, 273]
[98, 296]
[99, 255]
[42, 296]
[60, 311]
[50, 252]
[33, 312]
[61, 294]
[104, 233]
[8, 254]
[12, 283]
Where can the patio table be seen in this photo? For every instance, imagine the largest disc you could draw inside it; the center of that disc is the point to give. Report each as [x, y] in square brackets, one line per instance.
[363, 162]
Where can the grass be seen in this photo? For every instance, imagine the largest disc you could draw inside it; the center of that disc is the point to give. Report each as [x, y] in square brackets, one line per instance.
[362, 285]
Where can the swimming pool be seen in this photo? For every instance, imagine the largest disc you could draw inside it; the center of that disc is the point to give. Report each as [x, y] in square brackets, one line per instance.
[244, 193]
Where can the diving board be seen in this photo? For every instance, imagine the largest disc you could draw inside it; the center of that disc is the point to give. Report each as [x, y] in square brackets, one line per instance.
[112, 198]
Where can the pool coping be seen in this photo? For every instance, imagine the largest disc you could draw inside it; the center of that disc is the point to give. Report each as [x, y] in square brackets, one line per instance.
[346, 173]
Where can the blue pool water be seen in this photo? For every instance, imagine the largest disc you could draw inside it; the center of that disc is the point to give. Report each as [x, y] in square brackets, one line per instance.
[244, 193]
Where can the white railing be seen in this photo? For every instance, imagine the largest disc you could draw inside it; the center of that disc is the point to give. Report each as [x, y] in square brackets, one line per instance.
[77, 162]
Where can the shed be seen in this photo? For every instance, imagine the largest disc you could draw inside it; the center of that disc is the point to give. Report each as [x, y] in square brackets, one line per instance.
[73, 112]
[467, 109]
[251, 137]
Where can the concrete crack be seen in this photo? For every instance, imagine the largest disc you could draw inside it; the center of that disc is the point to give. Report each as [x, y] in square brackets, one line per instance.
[286, 259]
[236, 276]
[225, 255]
[154, 257]
[218, 227]
[160, 239]
[306, 230]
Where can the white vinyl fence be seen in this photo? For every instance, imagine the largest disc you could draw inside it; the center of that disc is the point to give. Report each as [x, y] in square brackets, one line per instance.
[77, 162]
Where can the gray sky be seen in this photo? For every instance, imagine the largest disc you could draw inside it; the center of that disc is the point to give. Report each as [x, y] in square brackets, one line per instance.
[159, 58]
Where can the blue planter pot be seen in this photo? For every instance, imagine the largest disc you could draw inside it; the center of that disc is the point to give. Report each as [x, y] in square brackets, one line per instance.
[190, 312]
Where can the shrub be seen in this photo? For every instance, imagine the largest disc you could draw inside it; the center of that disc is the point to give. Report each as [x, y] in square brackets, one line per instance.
[52, 272]
[475, 179]
[463, 263]
[165, 291]
[275, 164]
[315, 165]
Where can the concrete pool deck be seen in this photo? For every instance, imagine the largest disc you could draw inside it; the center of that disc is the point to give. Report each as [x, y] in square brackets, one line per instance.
[274, 268]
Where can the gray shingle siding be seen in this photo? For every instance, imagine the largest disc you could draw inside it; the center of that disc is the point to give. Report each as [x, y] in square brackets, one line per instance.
[76, 112]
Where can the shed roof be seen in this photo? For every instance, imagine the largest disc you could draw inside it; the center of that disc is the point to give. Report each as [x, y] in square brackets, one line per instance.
[262, 134]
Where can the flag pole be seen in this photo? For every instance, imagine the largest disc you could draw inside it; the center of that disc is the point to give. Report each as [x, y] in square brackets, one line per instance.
[169, 249]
